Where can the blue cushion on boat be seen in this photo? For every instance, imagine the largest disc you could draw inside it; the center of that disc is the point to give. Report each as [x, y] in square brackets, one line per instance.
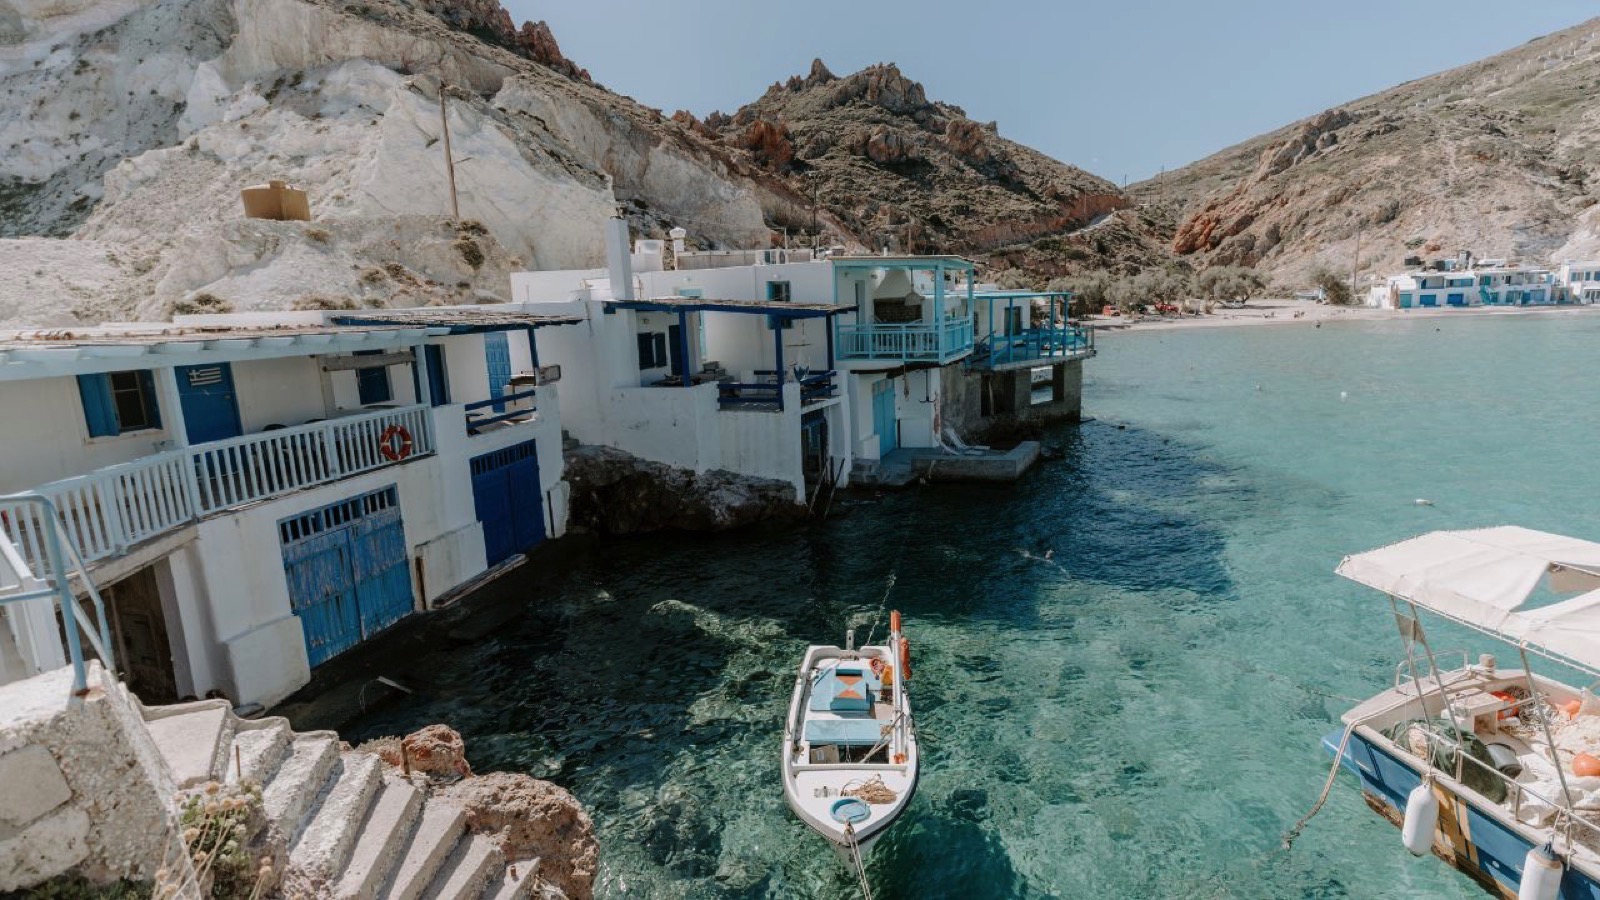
[854, 732]
[844, 689]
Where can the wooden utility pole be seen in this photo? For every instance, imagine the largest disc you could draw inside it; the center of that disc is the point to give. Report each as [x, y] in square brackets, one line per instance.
[1355, 265]
[449, 157]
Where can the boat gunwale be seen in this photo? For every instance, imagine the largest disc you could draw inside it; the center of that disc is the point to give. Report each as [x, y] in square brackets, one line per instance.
[1577, 854]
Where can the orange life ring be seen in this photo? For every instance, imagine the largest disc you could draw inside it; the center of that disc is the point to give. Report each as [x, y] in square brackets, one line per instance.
[395, 444]
[905, 658]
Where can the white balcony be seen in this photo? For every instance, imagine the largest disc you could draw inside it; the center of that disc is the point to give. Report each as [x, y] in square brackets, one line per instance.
[111, 509]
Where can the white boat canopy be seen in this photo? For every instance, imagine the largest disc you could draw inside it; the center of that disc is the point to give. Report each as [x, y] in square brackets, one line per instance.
[1518, 585]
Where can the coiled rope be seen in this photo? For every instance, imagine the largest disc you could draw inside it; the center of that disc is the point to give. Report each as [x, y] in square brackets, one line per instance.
[872, 790]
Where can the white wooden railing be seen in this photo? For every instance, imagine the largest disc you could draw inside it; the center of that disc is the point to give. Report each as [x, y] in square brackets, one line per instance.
[108, 510]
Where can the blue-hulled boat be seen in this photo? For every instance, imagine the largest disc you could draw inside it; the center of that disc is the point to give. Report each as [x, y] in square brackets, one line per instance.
[1484, 765]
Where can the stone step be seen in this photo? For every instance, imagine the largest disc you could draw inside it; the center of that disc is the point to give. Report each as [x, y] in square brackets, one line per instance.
[437, 832]
[520, 881]
[191, 741]
[382, 840]
[258, 751]
[299, 781]
[468, 871]
[323, 848]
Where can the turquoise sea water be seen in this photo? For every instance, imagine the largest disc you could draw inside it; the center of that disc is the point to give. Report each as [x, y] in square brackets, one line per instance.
[1136, 716]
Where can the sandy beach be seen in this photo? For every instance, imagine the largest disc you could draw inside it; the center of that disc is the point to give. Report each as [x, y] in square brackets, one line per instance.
[1309, 312]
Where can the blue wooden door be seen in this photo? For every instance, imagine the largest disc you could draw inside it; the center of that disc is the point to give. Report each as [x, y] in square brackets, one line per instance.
[381, 576]
[438, 381]
[497, 357]
[210, 406]
[347, 570]
[883, 416]
[509, 501]
[322, 595]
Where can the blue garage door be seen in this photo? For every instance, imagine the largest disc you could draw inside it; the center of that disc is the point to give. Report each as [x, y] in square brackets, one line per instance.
[347, 569]
[505, 491]
[883, 416]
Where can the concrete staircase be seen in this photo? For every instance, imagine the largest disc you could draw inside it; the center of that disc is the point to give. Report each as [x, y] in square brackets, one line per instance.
[353, 831]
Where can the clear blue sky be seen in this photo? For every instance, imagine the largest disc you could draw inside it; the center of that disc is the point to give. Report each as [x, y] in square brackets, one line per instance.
[1119, 87]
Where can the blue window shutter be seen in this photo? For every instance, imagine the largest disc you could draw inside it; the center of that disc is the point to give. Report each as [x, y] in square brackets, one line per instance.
[98, 411]
[646, 352]
[147, 387]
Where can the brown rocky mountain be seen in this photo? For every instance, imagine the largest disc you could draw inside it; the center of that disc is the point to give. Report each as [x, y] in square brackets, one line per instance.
[130, 128]
[893, 169]
[1496, 157]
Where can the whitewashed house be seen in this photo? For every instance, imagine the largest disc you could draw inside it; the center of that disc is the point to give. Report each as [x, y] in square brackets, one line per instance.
[1497, 284]
[1580, 281]
[882, 353]
[255, 494]
[727, 368]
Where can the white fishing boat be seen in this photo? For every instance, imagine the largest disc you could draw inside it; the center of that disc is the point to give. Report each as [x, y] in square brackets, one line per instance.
[849, 750]
[1494, 769]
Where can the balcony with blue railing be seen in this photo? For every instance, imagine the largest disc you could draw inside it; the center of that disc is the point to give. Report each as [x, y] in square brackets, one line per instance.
[766, 394]
[1033, 347]
[908, 342]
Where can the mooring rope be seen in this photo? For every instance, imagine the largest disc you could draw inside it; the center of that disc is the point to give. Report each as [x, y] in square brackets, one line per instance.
[882, 604]
[1327, 789]
[859, 865]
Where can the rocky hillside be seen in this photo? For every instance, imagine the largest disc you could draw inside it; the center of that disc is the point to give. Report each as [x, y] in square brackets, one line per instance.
[129, 126]
[1496, 157]
[895, 169]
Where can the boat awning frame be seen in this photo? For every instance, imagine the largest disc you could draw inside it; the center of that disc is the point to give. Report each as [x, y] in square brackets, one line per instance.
[1485, 579]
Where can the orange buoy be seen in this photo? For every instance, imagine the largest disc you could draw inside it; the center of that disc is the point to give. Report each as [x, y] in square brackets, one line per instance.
[1585, 766]
[905, 657]
[1507, 697]
[1571, 707]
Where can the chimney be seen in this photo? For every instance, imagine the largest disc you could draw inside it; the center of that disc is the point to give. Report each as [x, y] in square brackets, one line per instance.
[619, 260]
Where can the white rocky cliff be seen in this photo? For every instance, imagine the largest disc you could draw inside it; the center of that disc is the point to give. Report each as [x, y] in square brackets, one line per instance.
[128, 128]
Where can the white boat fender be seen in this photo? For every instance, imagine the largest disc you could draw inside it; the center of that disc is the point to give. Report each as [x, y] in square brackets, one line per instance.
[1422, 817]
[1541, 875]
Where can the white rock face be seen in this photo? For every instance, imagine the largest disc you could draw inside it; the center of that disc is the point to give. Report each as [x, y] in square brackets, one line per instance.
[130, 126]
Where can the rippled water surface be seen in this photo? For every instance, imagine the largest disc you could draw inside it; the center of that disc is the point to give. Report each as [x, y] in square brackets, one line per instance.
[1137, 715]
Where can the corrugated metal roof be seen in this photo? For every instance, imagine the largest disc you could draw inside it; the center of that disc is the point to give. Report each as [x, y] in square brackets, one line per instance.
[481, 319]
[707, 304]
[144, 335]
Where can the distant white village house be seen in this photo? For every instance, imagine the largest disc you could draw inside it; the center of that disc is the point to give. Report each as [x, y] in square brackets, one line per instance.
[1487, 282]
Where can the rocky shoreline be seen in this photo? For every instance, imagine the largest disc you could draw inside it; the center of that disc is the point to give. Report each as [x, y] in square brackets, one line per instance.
[615, 493]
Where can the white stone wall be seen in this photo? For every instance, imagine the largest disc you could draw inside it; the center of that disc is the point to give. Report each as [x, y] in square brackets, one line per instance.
[84, 788]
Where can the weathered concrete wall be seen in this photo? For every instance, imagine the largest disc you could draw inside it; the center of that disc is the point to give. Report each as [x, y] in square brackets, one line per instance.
[84, 787]
[974, 401]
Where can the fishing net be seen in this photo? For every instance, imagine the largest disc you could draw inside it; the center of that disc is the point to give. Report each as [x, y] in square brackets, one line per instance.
[1437, 741]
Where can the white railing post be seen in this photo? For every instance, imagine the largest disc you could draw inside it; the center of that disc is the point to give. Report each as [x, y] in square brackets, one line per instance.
[331, 448]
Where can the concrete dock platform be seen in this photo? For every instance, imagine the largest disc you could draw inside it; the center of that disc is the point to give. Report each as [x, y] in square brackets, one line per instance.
[933, 464]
